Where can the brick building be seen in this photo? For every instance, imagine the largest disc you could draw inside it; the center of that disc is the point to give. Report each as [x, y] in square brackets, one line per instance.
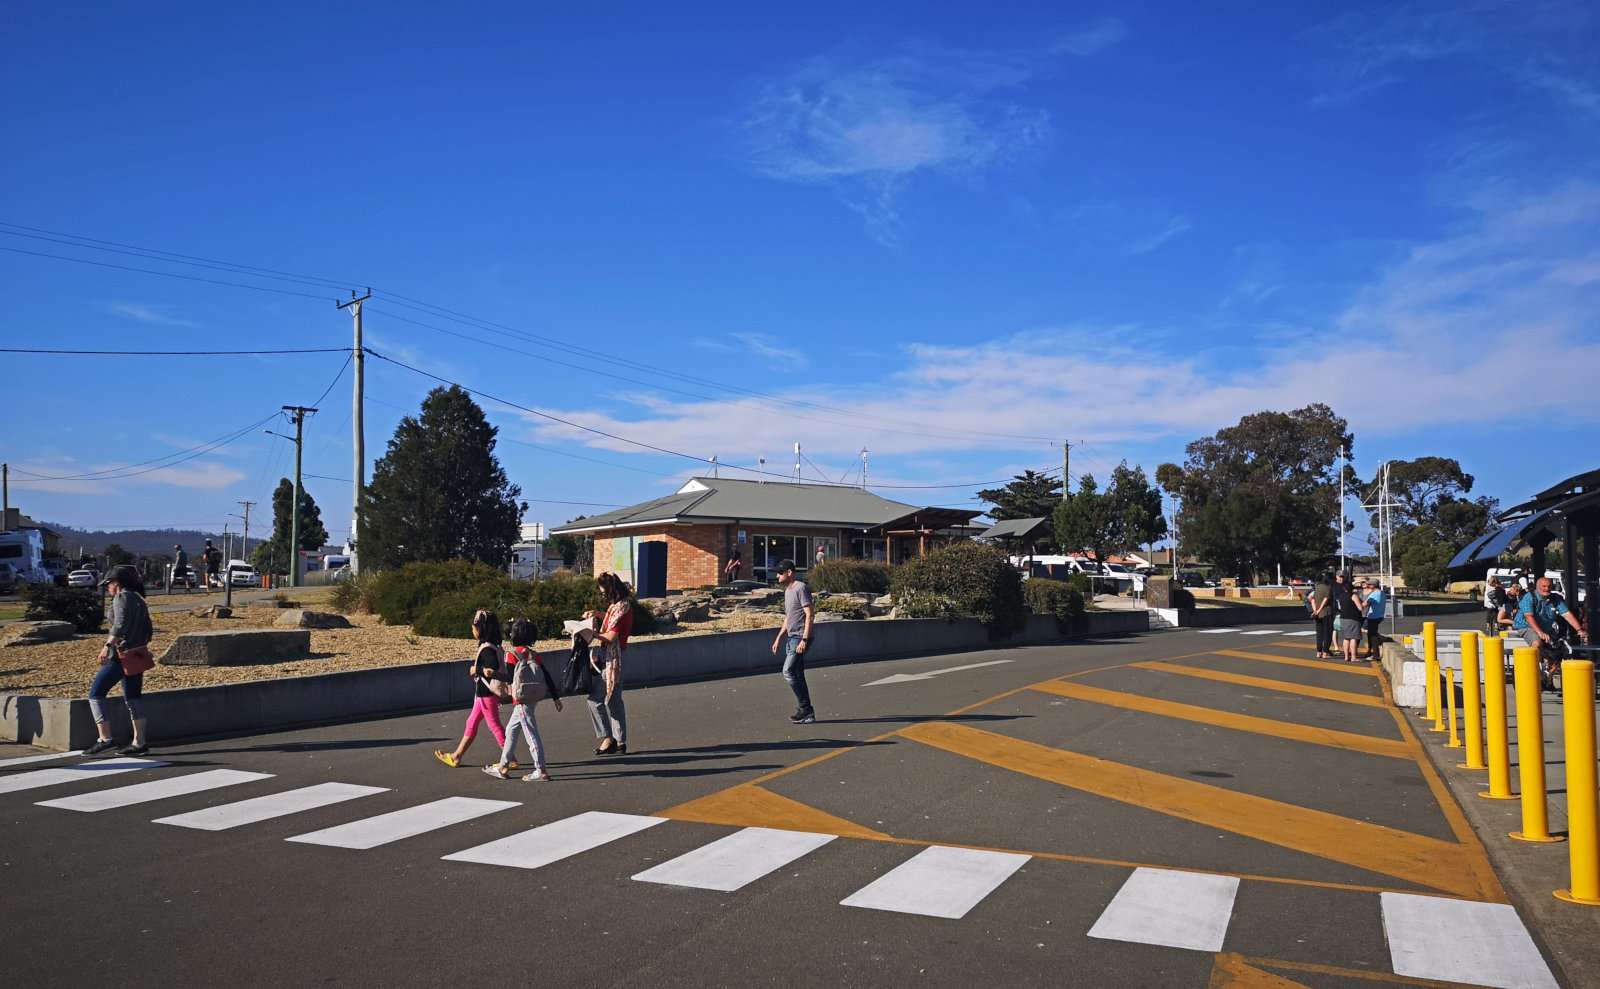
[709, 519]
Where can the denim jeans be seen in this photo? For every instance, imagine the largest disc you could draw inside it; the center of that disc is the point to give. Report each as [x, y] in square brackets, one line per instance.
[794, 672]
[109, 676]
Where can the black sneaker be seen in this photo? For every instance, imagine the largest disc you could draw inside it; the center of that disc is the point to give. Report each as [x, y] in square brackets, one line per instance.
[103, 745]
[134, 750]
[806, 718]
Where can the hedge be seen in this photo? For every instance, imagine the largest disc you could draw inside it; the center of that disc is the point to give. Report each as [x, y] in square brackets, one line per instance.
[964, 580]
[1055, 597]
[850, 577]
[399, 595]
[843, 606]
[547, 603]
[78, 605]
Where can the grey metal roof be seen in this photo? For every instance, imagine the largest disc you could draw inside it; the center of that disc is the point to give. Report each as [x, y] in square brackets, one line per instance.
[725, 499]
[1014, 529]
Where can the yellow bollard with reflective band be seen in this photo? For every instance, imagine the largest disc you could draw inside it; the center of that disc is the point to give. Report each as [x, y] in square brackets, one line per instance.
[1583, 795]
[1530, 749]
[1494, 716]
[1450, 697]
[1472, 700]
[1430, 669]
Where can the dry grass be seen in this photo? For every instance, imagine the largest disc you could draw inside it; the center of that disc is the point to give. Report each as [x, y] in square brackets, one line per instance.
[63, 669]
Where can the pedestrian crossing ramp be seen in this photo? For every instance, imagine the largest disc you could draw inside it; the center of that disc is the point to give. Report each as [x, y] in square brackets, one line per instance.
[1428, 937]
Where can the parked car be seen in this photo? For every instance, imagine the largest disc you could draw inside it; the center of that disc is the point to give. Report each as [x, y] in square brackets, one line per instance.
[1125, 578]
[83, 577]
[1193, 578]
[242, 574]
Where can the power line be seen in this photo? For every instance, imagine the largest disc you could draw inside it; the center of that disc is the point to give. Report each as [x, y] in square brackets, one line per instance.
[128, 470]
[640, 443]
[324, 477]
[176, 353]
[349, 356]
[168, 274]
[436, 311]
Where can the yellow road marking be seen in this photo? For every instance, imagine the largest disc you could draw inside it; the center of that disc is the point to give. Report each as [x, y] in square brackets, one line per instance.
[1295, 644]
[1329, 737]
[1231, 971]
[1343, 696]
[1415, 858]
[750, 806]
[1351, 973]
[1324, 665]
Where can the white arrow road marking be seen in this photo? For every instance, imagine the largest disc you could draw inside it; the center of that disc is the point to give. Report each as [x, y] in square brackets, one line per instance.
[908, 677]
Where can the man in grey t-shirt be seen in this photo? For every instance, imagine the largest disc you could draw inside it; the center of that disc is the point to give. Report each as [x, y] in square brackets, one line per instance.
[794, 636]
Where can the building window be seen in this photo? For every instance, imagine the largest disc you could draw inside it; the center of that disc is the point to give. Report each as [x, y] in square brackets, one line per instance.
[869, 549]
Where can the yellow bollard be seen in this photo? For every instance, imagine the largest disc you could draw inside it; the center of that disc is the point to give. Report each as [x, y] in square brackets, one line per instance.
[1530, 749]
[1472, 700]
[1450, 696]
[1583, 795]
[1494, 715]
[1430, 669]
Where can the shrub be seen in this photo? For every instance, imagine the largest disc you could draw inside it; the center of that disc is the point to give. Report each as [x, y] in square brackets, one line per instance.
[355, 592]
[848, 607]
[1082, 583]
[1055, 597]
[399, 595]
[563, 596]
[78, 605]
[964, 580]
[850, 577]
[449, 616]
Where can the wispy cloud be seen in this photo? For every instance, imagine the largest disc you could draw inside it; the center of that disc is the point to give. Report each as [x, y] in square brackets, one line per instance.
[866, 127]
[772, 350]
[1545, 46]
[1400, 354]
[201, 476]
[1176, 227]
[147, 314]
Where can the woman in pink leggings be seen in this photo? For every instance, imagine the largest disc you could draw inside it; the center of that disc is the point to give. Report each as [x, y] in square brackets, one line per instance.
[486, 671]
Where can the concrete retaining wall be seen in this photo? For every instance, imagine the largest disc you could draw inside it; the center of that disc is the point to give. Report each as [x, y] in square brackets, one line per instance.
[64, 723]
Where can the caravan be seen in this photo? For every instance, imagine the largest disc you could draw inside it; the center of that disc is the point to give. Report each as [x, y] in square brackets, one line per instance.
[24, 550]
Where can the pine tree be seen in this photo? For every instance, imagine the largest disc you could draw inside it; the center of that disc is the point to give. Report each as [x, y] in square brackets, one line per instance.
[438, 492]
[274, 552]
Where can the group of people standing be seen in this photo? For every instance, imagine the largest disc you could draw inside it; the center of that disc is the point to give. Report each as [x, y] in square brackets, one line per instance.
[1343, 608]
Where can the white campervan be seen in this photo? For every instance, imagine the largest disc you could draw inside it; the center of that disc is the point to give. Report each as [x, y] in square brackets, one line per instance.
[24, 550]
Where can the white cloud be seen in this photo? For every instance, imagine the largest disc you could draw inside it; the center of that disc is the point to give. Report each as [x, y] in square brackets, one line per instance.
[772, 350]
[146, 314]
[201, 476]
[1175, 227]
[867, 126]
[1434, 339]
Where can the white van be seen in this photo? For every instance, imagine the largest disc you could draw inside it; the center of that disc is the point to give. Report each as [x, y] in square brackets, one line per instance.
[24, 550]
[241, 574]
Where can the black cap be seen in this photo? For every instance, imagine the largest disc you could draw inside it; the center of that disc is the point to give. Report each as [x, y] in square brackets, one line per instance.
[122, 574]
[785, 566]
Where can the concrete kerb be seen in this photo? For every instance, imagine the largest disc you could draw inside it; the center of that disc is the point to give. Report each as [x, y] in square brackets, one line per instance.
[63, 723]
[1241, 615]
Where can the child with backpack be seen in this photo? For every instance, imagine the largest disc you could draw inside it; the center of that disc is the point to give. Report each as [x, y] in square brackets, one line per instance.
[530, 683]
[488, 685]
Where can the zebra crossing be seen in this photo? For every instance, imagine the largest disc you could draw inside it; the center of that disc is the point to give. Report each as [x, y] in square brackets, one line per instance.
[1429, 937]
[1257, 631]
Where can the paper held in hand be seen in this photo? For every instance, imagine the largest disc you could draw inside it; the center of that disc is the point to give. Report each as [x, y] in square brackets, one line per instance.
[576, 626]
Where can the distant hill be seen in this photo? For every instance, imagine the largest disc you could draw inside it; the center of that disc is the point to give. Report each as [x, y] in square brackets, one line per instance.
[136, 541]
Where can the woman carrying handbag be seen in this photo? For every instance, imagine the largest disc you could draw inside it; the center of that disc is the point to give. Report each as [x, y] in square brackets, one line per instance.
[124, 659]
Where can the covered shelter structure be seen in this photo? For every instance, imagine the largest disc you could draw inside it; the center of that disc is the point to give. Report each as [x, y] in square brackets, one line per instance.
[1568, 511]
[1020, 537]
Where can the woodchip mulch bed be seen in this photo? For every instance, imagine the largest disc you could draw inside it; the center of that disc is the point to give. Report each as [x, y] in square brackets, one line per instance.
[63, 669]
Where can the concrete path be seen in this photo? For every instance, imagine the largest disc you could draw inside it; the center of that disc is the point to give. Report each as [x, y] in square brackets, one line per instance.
[1172, 809]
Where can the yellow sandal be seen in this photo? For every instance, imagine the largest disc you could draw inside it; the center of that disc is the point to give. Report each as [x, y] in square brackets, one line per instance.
[446, 758]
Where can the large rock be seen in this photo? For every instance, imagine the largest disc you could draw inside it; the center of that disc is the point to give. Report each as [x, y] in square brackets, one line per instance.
[212, 611]
[36, 633]
[692, 611]
[238, 647]
[301, 618]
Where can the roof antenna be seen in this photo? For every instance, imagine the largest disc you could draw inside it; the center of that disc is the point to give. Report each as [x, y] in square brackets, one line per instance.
[713, 465]
[797, 462]
[761, 473]
[863, 468]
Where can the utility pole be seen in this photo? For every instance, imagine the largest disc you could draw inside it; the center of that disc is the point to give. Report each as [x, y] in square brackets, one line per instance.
[5, 487]
[1341, 508]
[1066, 464]
[298, 412]
[359, 433]
[246, 505]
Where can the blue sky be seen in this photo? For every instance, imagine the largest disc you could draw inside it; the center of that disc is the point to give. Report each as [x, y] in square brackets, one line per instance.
[1121, 225]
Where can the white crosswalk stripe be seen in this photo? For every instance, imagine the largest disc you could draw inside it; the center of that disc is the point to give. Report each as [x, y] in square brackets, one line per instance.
[1217, 631]
[48, 756]
[83, 772]
[1175, 909]
[1297, 635]
[556, 841]
[270, 806]
[408, 823]
[1269, 631]
[140, 793]
[1483, 944]
[938, 882]
[737, 860]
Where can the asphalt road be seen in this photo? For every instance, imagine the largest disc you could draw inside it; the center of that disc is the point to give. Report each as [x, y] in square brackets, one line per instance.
[1061, 816]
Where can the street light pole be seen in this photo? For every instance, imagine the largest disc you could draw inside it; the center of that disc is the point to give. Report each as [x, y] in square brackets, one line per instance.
[298, 414]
